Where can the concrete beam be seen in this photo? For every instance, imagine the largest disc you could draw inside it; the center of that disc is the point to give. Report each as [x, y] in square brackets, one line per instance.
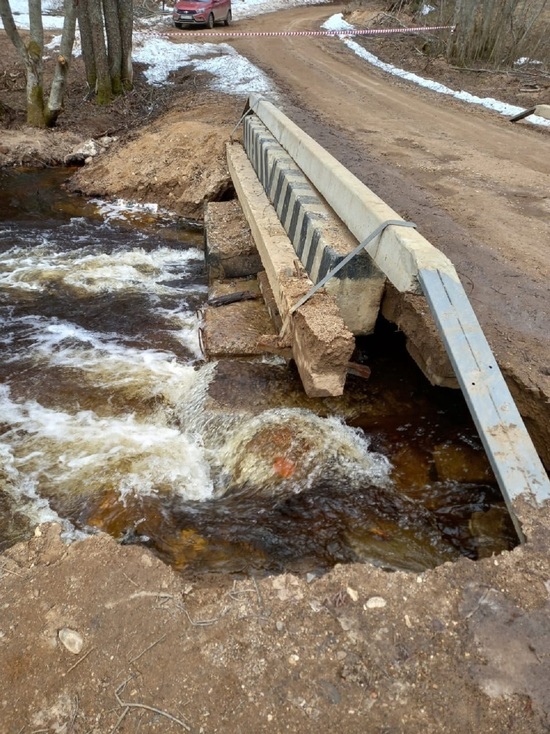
[229, 249]
[320, 239]
[543, 110]
[399, 252]
[236, 329]
[321, 344]
[412, 315]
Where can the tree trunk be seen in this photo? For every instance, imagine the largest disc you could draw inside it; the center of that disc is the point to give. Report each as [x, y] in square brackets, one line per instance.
[86, 43]
[106, 33]
[103, 81]
[57, 91]
[35, 49]
[114, 45]
[10, 29]
[126, 20]
[35, 91]
[32, 57]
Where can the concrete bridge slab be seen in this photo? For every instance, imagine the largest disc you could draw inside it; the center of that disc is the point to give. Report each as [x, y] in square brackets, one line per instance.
[319, 238]
[320, 342]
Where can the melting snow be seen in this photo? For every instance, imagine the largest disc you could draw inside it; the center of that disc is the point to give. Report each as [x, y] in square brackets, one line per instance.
[234, 74]
[337, 22]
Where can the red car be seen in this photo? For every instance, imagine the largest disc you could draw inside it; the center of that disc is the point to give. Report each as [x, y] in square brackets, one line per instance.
[201, 12]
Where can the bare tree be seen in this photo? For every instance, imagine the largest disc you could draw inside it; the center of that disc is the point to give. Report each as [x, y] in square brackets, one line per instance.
[57, 89]
[126, 20]
[31, 51]
[106, 33]
[85, 28]
[496, 31]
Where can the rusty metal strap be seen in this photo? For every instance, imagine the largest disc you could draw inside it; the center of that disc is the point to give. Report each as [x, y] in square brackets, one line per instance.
[361, 246]
[247, 111]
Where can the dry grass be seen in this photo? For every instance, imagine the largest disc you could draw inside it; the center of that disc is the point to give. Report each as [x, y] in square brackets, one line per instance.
[497, 32]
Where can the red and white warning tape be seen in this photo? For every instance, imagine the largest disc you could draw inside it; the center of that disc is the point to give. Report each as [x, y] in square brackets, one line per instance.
[351, 32]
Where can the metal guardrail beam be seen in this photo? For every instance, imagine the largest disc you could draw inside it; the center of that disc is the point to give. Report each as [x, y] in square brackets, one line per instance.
[514, 460]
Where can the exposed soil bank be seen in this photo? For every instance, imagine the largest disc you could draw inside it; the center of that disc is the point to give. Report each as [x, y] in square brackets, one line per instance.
[461, 648]
[178, 161]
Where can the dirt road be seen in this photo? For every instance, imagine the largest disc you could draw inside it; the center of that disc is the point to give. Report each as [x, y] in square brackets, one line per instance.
[477, 186]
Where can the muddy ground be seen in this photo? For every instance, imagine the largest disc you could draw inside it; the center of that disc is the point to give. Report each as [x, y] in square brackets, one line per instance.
[462, 648]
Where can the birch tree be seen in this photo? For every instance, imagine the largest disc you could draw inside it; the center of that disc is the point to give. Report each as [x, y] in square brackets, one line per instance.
[31, 51]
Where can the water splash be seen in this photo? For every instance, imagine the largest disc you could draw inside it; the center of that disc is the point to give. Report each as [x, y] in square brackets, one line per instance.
[54, 453]
[45, 268]
[288, 450]
[101, 359]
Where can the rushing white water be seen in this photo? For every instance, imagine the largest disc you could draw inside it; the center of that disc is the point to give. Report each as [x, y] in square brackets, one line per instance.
[96, 397]
[110, 417]
[101, 359]
[62, 453]
[52, 362]
[289, 450]
[45, 267]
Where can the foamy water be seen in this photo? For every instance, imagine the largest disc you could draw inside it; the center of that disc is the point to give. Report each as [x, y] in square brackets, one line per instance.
[45, 267]
[101, 359]
[93, 402]
[48, 450]
[289, 450]
[57, 452]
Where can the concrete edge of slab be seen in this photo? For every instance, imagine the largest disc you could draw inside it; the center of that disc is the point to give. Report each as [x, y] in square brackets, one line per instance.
[321, 343]
[400, 253]
[230, 251]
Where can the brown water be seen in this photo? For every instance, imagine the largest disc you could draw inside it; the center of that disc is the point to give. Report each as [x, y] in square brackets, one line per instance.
[110, 418]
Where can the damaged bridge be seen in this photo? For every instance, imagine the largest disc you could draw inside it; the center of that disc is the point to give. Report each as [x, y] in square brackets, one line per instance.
[330, 249]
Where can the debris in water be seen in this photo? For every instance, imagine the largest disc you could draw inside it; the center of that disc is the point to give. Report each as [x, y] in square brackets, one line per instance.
[284, 467]
[359, 370]
[233, 298]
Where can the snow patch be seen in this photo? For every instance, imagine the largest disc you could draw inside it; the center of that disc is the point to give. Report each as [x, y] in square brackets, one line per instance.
[337, 22]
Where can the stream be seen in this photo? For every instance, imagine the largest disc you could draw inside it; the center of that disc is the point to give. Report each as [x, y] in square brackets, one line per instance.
[111, 419]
